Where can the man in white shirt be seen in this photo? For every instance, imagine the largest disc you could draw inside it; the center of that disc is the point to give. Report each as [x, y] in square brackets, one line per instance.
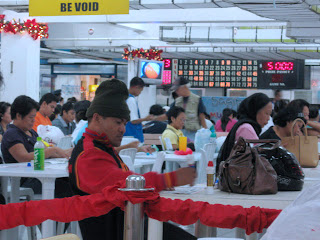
[134, 127]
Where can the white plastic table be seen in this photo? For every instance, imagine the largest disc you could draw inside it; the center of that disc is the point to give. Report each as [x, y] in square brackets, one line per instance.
[274, 201]
[47, 178]
[143, 159]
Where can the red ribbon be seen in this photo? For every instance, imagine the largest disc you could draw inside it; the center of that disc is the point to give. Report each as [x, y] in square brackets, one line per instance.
[187, 212]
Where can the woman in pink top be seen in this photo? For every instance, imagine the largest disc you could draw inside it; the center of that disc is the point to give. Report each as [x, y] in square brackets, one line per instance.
[253, 113]
[226, 123]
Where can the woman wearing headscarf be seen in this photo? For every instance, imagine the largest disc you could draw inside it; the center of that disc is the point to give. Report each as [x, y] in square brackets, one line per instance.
[253, 113]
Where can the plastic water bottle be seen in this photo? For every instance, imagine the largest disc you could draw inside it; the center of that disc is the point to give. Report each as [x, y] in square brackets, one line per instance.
[210, 173]
[213, 136]
[39, 154]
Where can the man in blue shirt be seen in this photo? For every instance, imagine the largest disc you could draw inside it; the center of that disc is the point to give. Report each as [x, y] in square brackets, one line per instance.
[134, 127]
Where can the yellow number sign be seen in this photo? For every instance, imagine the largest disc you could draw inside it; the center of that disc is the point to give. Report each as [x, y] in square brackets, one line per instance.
[77, 7]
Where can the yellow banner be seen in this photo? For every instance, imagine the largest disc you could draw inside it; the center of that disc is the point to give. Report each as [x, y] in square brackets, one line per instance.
[77, 7]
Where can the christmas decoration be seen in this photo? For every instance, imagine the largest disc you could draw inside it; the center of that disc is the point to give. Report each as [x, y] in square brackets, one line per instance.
[150, 54]
[34, 29]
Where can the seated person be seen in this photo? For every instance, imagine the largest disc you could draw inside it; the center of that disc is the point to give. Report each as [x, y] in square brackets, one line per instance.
[283, 121]
[176, 119]
[48, 104]
[155, 127]
[5, 117]
[227, 121]
[314, 120]
[18, 141]
[56, 113]
[64, 121]
[95, 165]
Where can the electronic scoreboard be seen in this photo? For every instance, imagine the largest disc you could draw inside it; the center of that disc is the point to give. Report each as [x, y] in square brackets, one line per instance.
[217, 73]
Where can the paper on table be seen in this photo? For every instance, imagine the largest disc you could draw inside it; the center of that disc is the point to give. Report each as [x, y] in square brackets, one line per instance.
[56, 160]
[187, 189]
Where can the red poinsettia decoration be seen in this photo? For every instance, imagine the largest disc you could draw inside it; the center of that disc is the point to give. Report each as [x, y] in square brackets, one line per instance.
[150, 54]
[36, 30]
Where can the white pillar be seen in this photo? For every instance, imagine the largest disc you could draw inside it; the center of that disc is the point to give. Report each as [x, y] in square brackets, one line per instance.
[20, 66]
[132, 70]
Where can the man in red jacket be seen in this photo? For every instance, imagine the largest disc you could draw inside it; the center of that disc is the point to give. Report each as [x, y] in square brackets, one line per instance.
[94, 164]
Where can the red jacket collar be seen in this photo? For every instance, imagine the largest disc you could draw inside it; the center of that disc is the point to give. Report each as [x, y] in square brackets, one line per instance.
[96, 136]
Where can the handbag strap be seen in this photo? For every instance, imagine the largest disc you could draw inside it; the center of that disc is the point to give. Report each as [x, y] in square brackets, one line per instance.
[304, 129]
[276, 142]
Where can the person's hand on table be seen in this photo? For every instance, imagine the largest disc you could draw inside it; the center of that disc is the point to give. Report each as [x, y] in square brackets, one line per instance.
[63, 153]
[68, 152]
[146, 149]
[186, 176]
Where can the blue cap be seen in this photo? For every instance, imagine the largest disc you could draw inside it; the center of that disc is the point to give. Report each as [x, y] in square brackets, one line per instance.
[28, 164]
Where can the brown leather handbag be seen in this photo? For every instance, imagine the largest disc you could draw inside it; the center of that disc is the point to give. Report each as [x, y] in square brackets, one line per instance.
[246, 172]
[305, 148]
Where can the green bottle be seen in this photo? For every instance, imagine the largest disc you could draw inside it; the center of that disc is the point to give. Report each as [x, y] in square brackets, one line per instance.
[39, 154]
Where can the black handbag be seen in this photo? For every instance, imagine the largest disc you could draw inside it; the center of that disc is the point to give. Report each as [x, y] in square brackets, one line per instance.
[290, 176]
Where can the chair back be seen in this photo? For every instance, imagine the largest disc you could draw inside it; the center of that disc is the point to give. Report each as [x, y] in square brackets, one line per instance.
[201, 169]
[168, 144]
[68, 236]
[131, 152]
[128, 161]
[210, 149]
[162, 145]
[65, 142]
[157, 166]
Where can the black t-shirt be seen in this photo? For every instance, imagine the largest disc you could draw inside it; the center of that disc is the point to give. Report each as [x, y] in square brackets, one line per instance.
[13, 136]
[155, 127]
[269, 134]
[201, 107]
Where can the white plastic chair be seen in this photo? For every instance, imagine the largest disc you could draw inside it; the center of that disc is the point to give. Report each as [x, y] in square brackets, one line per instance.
[128, 161]
[131, 152]
[210, 149]
[201, 168]
[157, 166]
[65, 142]
[162, 145]
[168, 144]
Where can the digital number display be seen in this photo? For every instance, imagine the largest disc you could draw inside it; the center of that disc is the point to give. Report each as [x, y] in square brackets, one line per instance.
[281, 74]
[281, 66]
[166, 79]
[167, 64]
[216, 73]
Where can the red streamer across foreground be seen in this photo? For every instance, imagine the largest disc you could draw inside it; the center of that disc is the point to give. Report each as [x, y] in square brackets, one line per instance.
[187, 212]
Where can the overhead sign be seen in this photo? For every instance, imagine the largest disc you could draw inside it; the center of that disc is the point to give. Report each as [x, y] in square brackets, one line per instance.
[77, 7]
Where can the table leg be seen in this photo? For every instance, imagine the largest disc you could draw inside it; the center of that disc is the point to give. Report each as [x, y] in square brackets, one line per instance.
[252, 236]
[240, 233]
[48, 185]
[13, 233]
[155, 229]
[204, 231]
